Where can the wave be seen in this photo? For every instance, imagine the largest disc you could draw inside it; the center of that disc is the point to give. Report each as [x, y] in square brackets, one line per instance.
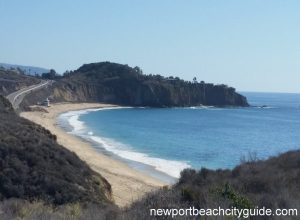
[264, 107]
[169, 167]
[201, 107]
[72, 117]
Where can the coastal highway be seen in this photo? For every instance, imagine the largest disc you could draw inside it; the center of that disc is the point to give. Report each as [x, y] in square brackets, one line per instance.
[17, 97]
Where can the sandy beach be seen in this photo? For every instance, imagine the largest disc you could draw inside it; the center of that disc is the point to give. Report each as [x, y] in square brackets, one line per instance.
[127, 184]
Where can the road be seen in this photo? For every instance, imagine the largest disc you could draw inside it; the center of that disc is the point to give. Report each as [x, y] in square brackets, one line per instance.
[17, 97]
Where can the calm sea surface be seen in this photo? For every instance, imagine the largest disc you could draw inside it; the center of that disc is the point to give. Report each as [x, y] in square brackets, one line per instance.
[169, 140]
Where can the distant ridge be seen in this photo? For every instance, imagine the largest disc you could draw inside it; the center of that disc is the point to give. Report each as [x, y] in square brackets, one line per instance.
[28, 70]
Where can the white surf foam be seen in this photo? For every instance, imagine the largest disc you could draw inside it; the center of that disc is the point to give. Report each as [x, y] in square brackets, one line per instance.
[202, 107]
[72, 117]
[266, 107]
[170, 167]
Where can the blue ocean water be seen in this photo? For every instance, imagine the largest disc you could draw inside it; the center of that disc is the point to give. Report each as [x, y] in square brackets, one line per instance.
[175, 138]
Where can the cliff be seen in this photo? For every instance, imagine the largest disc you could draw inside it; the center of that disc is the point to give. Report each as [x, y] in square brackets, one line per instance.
[33, 166]
[123, 85]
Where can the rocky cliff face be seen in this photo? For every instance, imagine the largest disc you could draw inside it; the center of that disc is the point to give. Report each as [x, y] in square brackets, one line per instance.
[121, 84]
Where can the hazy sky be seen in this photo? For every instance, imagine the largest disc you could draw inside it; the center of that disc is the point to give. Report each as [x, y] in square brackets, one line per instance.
[253, 45]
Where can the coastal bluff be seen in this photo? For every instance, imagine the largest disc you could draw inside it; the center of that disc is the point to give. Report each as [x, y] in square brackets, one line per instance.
[123, 85]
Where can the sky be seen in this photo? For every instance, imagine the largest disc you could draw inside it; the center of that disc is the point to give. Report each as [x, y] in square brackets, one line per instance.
[252, 45]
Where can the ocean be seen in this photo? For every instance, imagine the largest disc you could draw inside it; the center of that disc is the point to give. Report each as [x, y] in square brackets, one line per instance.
[162, 142]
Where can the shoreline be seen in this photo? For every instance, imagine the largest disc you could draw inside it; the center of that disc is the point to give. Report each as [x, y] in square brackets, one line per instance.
[128, 184]
[70, 123]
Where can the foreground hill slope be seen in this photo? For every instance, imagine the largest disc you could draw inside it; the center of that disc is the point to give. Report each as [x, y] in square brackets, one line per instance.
[120, 84]
[34, 167]
[273, 183]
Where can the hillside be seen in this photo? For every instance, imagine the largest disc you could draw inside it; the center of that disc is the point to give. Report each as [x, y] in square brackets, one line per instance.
[28, 70]
[34, 167]
[120, 84]
[11, 81]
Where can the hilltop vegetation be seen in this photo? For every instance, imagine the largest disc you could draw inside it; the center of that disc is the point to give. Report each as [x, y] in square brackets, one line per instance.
[34, 167]
[120, 84]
